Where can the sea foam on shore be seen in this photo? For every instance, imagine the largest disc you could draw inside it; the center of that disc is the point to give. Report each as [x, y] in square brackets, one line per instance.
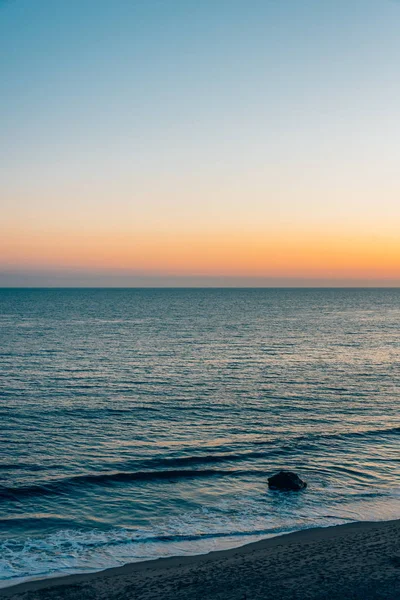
[360, 561]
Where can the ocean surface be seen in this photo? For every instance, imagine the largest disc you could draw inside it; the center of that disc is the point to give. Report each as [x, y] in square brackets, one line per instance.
[140, 423]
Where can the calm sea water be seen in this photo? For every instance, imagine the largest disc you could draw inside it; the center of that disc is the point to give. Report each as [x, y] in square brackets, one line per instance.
[144, 423]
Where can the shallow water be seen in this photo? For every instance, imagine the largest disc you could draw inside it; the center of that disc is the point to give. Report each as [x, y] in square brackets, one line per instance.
[144, 423]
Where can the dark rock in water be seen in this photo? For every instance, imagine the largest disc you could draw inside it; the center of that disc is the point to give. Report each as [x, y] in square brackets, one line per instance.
[286, 480]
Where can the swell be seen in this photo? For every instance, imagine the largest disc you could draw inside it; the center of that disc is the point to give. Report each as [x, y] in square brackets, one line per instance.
[27, 523]
[167, 468]
[366, 433]
[301, 442]
[60, 486]
[25, 467]
[202, 459]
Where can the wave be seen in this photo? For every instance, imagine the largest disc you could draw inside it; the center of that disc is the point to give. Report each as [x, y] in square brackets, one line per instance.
[203, 459]
[29, 523]
[25, 467]
[167, 468]
[73, 550]
[337, 435]
[58, 486]
[100, 538]
[275, 449]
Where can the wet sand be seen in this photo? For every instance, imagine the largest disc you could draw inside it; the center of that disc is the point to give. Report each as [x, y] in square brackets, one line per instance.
[358, 561]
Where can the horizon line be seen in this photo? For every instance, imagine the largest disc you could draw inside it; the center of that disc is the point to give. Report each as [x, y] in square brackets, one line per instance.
[201, 287]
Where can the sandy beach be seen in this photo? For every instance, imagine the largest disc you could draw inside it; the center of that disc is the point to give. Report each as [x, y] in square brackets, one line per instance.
[354, 561]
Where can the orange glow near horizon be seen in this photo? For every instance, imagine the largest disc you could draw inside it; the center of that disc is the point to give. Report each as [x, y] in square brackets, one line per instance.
[208, 143]
[240, 254]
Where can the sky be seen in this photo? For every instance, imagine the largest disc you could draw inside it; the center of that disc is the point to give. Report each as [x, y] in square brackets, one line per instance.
[178, 142]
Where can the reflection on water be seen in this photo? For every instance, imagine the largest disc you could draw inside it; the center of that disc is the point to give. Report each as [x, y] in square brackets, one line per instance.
[144, 423]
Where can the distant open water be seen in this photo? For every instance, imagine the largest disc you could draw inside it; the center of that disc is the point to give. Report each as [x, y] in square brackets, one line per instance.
[144, 423]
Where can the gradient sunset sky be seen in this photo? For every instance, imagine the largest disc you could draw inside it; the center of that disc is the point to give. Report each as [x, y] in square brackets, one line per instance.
[212, 142]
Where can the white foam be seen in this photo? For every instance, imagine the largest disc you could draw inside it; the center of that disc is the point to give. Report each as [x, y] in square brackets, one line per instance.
[232, 523]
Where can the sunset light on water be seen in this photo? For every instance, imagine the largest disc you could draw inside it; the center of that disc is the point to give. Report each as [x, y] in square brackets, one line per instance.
[199, 299]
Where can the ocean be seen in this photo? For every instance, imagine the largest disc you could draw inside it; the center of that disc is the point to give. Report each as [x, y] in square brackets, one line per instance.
[140, 423]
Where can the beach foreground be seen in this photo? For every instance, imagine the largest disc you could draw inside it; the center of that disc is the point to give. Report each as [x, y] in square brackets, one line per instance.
[353, 561]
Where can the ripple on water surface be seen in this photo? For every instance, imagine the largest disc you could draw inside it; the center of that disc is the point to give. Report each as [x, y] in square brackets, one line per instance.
[144, 423]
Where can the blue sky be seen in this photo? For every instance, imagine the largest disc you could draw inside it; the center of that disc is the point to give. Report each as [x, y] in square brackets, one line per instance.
[146, 120]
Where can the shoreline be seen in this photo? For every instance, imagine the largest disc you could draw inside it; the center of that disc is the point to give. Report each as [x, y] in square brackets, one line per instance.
[354, 560]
